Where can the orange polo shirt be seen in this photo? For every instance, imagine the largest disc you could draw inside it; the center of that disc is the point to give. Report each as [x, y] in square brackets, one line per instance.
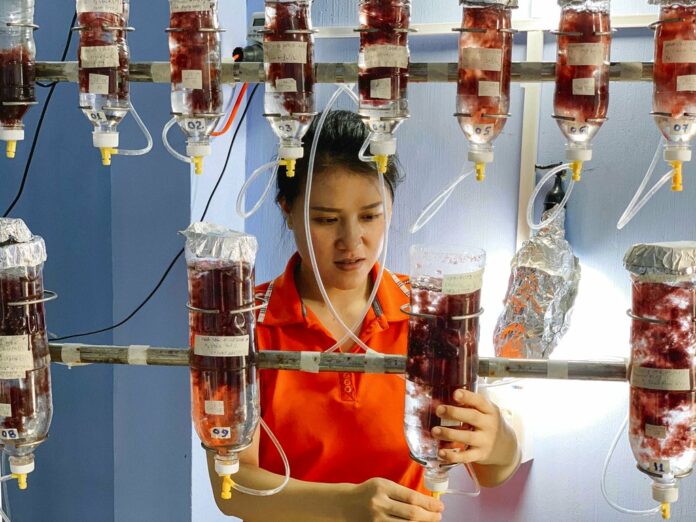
[335, 427]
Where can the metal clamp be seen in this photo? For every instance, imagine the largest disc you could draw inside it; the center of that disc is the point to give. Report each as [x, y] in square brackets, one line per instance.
[406, 309]
[482, 30]
[18, 103]
[22, 24]
[244, 310]
[196, 30]
[198, 114]
[48, 296]
[655, 25]
[635, 317]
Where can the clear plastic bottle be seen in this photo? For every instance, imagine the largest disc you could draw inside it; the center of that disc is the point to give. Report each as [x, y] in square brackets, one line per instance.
[103, 60]
[581, 99]
[383, 72]
[25, 380]
[17, 69]
[442, 346]
[674, 81]
[289, 105]
[662, 427]
[224, 387]
[196, 62]
[485, 64]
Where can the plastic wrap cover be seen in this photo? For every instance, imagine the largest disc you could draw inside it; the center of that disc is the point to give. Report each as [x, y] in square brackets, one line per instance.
[672, 2]
[207, 241]
[540, 297]
[18, 247]
[592, 5]
[663, 262]
[512, 4]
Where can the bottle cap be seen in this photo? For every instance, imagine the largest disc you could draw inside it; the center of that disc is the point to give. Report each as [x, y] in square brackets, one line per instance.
[105, 140]
[11, 134]
[677, 154]
[227, 465]
[198, 149]
[290, 153]
[578, 154]
[665, 492]
[385, 147]
[22, 465]
[436, 484]
[481, 156]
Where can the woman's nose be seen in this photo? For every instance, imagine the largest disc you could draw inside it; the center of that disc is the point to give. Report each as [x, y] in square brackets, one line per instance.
[350, 236]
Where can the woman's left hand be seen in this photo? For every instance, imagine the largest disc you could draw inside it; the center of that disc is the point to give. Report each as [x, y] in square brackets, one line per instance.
[490, 441]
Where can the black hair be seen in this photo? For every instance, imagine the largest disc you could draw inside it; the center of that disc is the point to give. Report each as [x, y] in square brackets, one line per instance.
[342, 136]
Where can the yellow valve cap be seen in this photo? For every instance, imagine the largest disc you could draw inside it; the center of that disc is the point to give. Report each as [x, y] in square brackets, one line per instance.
[197, 164]
[436, 495]
[11, 149]
[21, 480]
[106, 153]
[577, 170]
[480, 171]
[289, 165]
[227, 484]
[665, 510]
[382, 161]
[677, 185]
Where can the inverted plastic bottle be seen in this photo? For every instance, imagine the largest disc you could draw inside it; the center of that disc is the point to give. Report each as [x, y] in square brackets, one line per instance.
[442, 347]
[25, 379]
[103, 60]
[662, 428]
[196, 73]
[289, 105]
[224, 382]
[483, 88]
[383, 73]
[674, 81]
[17, 69]
[581, 99]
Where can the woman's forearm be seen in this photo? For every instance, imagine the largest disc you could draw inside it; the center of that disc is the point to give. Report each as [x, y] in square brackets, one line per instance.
[299, 501]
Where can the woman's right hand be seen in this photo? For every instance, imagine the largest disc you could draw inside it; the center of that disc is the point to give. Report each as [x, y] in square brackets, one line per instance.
[379, 499]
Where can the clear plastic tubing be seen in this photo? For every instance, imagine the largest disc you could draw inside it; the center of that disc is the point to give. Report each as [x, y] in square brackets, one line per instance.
[530, 206]
[674, 88]
[387, 220]
[288, 45]
[442, 353]
[17, 69]
[483, 87]
[383, 72]
[196, 74]
[581, 98]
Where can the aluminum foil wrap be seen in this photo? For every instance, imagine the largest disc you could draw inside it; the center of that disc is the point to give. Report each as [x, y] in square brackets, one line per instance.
[540, 297]
[215, 243]
[18, 247]
[662, 262]
[513, 4]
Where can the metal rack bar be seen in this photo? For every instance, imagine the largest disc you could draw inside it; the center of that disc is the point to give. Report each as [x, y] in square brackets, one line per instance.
[253, 72]
[76, 354]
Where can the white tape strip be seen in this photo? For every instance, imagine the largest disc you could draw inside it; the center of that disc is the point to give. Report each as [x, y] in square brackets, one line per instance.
[530, 71]
[137, 355]
[309, 361]
[161, 72]
[374, 362]
[350, 73]
[557, 370]
[631, 70]
[70, 353]
[438, 72]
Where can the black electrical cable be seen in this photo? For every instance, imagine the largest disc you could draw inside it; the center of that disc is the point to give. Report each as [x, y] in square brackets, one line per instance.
[180, 253]
[38, 127]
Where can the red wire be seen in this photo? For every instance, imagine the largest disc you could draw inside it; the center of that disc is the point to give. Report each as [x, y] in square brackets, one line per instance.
[233, 113]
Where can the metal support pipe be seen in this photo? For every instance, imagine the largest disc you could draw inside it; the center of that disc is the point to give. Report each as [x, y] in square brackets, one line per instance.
[253, 72]
[76, 354]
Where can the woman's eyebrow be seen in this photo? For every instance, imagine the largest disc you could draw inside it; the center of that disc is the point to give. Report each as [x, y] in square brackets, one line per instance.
[329, 209]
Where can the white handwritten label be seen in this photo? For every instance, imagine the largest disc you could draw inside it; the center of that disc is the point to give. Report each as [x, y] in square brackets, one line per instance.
[286, 85]
[686, 82]
[195, 124]
[483, 130]
[95, 117]
[448, 423]
[584, 86]
[214, 408]
[482, 59]
[453, 284]
[660, 467]
[679, 51]
[221, 432]
[661, 379]
[217, 346]
[192, 79]
[98, 84]
[488, 88]
[656, 432]
[585, 54]
[287, 127]
[285, 52]
[5, 410]
[386, 56]
[100, 56]
[15, 357]
[185, 6]
[381, 89]
[9, 434]
[100, 6]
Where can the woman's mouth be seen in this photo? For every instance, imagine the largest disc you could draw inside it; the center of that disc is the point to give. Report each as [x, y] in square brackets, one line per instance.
[348, 265]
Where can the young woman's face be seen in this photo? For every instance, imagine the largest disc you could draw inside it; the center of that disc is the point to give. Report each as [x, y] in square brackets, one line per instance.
[347, 217]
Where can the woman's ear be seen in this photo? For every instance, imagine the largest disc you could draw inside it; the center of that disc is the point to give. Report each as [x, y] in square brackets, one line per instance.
[287, 215]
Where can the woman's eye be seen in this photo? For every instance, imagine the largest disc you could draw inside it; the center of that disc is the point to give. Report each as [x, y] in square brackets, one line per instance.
[371, 217]
[325, 220]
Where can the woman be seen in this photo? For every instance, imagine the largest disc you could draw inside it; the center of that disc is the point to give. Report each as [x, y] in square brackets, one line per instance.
[343, 432]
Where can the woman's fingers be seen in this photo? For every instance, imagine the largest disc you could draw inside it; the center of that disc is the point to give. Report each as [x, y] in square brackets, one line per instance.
[461, 457]
[474, 400]
[469, 416]
[409, 496]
